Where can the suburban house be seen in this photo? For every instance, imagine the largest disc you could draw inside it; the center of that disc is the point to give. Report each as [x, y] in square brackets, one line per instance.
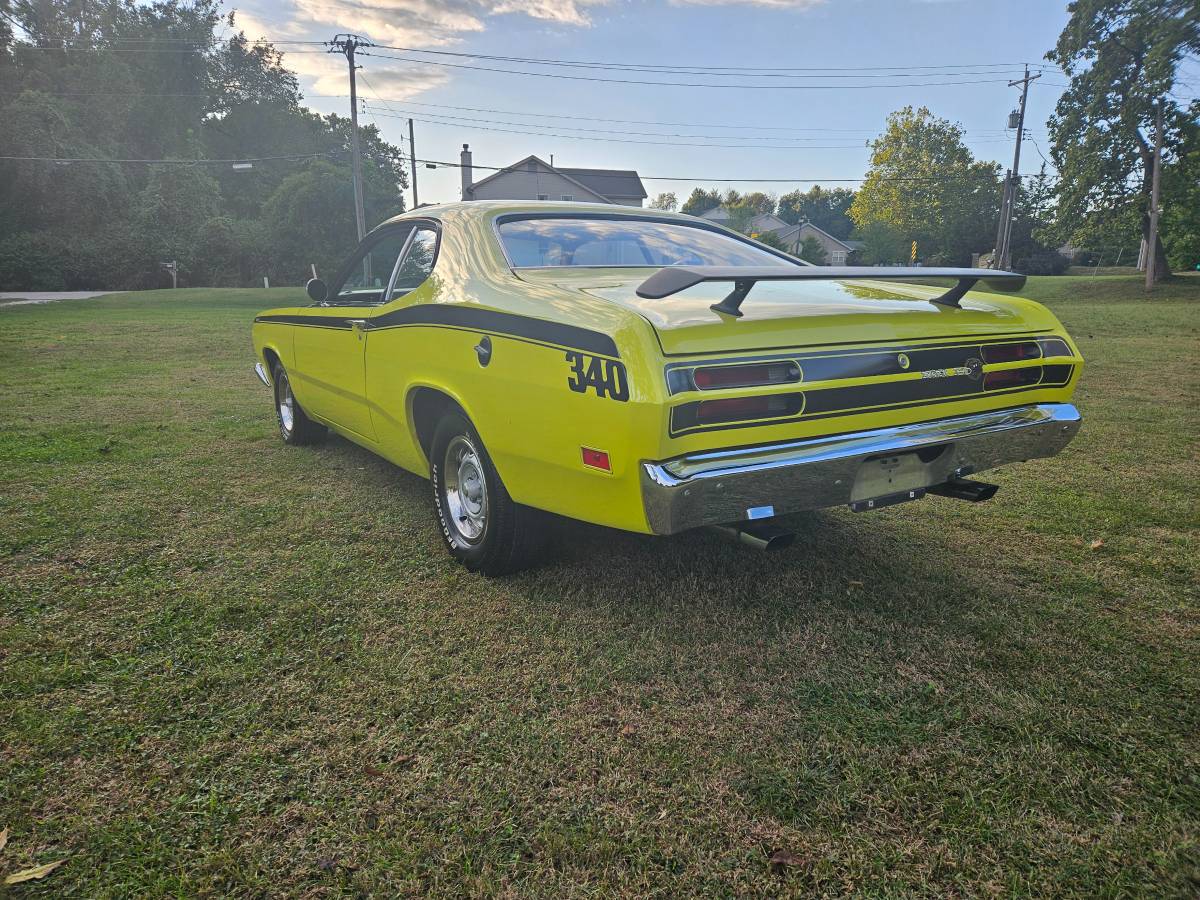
[836, 249]
[793, 236]
[760, 223]
[535, 179]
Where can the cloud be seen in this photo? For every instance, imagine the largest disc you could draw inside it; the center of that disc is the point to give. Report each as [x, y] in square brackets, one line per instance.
[327, 75]
[773, 4]
[432, 23]
[254, 27]
[562, 12]
[410, 22]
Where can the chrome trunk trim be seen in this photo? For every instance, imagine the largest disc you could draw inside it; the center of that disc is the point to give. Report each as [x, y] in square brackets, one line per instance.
[720, 487]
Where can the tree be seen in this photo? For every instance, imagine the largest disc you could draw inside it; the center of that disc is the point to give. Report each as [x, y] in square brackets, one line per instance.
[1122, 57]
[757, 202]
[882, 245]
[924, 183]
[829, 210]
[1181, 184]
[771, 239]
[701, 201]
[666, 201]
[812, 251]
[108, 225]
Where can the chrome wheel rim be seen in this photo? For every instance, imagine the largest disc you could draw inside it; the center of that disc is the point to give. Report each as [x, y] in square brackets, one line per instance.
[465, 489]
[287, 404]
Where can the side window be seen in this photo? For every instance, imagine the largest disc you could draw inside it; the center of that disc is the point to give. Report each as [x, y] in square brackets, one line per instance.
[417, 263]
[369, 276]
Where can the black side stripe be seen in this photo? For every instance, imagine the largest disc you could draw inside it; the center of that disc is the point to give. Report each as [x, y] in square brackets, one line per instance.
[471, 318]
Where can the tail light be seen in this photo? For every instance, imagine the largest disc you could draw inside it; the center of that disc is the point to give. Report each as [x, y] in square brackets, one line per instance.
[711, 378]
[735, 409]
[1006, 353]
[1010, 378]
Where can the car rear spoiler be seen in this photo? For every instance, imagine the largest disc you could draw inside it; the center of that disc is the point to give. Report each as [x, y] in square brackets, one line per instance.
[673, 279]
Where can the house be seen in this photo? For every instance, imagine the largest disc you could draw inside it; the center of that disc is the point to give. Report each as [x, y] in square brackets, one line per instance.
[535, 179]
[792, 236]
[836, 249]
[719, 215]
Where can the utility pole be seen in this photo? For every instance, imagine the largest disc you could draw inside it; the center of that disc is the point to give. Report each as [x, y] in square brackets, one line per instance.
[346, 44]
[412, 158]
[1003, 255]
[1152, 242]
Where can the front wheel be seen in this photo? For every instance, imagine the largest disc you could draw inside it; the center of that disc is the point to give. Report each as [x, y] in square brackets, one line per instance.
[294, 426]
[482, 527]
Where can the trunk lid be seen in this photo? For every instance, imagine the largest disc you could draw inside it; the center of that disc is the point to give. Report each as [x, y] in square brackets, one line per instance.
[800, 313]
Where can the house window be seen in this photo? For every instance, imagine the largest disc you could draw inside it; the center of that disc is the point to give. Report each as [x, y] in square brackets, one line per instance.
[568, 197]
[543, 196]
[837, 258]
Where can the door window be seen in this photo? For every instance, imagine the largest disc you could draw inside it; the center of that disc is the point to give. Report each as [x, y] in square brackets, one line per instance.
[417, 263]
[368, 278]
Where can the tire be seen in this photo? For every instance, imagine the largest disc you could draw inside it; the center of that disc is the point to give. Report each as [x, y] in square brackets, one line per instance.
[296, 428]
[482, 527]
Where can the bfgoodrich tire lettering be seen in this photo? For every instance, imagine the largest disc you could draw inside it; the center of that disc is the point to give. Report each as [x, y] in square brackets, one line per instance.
[482, 527]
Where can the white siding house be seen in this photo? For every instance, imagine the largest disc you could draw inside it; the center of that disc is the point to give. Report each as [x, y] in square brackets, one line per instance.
[535, 179]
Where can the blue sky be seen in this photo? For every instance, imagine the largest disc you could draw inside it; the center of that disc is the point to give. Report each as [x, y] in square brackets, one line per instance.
[811, 34]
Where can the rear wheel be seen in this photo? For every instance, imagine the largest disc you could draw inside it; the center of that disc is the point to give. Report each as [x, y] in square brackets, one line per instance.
[482, 527]
[295, 427]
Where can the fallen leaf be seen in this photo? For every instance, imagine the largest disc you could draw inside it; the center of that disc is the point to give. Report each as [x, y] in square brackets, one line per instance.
[3, 838]
[404, 759]
[628, 729]
[34, 873]
[856, 584]
[1097, 543]
[373, 771]
[783, 859]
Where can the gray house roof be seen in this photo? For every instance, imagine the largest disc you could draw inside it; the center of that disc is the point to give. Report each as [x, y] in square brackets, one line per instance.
[793, 233]
[530, 163]
[608, 182]
[604, 184]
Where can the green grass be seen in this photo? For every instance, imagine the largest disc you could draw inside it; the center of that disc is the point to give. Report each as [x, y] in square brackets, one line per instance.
[232, 668]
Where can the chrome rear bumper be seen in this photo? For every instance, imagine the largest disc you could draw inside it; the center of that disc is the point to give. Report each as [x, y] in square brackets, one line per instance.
[727, 486]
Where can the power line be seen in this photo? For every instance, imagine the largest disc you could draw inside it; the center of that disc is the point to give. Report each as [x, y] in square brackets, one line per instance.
[593, 133]
[610, 140]
[739, 127]
[897, 71]
[906, 178]
[693, 84]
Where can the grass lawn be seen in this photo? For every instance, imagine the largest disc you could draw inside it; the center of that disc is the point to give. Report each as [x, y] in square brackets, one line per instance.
[232, 668]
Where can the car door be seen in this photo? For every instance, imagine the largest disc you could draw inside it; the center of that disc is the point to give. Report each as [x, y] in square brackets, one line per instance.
[330, 353]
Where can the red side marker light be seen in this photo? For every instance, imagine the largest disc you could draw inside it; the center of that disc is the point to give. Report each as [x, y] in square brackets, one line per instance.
[595, 459]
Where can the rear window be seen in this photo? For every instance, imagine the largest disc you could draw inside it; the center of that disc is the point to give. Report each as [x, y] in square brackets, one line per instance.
[561, 241]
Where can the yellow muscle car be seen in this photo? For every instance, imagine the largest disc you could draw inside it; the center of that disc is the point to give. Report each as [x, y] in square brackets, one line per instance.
[654, 372]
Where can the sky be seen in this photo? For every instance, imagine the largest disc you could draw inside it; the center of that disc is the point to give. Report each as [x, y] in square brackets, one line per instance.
[872, 57]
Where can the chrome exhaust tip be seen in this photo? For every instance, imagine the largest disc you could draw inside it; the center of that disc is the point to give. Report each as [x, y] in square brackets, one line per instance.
[760, 535]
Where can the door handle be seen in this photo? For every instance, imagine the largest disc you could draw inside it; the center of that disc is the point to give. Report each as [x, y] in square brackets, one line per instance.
[358, 326]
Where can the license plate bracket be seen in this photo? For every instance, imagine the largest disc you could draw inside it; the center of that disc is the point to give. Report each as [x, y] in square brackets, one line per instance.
[886, 500]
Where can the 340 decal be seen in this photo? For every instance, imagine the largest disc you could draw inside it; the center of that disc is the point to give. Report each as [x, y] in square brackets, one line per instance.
[605, 376]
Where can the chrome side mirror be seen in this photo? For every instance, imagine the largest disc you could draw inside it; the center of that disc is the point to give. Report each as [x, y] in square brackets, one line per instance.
[317, 290]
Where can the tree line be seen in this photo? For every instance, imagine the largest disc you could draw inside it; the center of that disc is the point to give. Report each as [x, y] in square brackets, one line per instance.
[176, 82]
[112, 80]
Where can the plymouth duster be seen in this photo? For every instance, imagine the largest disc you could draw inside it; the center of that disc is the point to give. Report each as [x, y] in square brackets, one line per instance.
[654, 372]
